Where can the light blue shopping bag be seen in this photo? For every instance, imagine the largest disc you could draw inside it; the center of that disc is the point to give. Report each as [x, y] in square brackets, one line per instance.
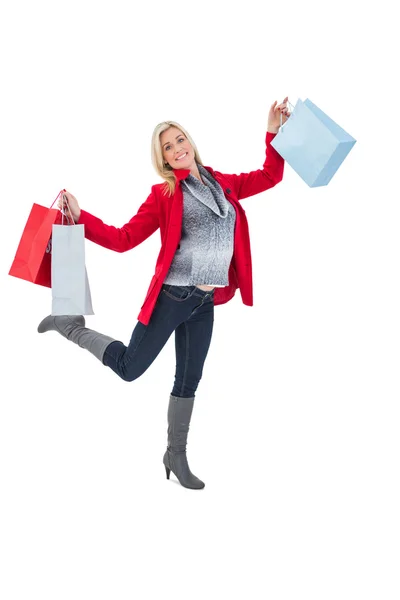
[312, 143]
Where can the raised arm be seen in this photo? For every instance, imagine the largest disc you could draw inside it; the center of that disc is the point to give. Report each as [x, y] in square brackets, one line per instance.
[121, 239]
[255, 182]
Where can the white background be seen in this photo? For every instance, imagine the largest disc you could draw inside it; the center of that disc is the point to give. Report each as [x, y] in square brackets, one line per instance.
[296, 420]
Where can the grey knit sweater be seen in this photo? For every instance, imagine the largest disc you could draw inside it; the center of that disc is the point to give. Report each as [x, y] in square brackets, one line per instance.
[206, 247]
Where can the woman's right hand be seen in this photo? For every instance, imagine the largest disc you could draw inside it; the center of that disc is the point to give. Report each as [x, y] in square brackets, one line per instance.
[67, 199]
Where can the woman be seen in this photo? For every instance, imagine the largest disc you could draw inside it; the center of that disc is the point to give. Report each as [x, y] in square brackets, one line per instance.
[204, 257]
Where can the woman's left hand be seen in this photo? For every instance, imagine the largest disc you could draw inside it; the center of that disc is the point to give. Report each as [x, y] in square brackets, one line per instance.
[274, 115]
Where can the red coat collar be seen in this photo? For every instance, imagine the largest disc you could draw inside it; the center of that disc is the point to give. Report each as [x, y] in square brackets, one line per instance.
[183, 173]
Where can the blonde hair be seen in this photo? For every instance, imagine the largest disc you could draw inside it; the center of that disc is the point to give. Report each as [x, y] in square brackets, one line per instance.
[165, 171]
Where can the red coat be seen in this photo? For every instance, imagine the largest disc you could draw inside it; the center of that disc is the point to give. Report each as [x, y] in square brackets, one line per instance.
[165, 212]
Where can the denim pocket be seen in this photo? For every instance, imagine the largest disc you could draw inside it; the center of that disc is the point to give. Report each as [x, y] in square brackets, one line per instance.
[179, 293]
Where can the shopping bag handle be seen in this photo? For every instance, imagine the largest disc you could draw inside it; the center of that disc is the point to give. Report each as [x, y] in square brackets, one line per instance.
[59, 193]
[62, 212]
[280, 128]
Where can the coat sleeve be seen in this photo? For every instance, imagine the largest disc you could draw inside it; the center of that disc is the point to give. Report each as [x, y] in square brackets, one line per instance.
[255, 182]
[133, 233]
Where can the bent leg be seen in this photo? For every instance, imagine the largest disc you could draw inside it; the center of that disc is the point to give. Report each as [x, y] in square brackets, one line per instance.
[147, 341]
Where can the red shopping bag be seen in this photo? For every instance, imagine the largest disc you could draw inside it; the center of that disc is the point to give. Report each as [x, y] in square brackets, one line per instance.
[32, 260]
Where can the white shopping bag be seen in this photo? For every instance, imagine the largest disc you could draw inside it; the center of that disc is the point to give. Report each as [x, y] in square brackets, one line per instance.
[69, 281]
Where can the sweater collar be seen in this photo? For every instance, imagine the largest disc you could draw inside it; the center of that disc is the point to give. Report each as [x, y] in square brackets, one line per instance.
[210, 194]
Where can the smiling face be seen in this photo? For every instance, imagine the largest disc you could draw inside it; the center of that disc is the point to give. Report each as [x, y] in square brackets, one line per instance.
[177, 150]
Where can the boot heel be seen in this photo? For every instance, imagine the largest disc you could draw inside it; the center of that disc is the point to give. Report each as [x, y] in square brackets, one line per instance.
[168, 471]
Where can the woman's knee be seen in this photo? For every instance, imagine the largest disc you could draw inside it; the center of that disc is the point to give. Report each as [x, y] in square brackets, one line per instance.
[129, 374]
[131, 370]
[127, 377]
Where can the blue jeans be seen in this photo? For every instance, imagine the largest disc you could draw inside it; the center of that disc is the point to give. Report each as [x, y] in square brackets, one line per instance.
[187, 310]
